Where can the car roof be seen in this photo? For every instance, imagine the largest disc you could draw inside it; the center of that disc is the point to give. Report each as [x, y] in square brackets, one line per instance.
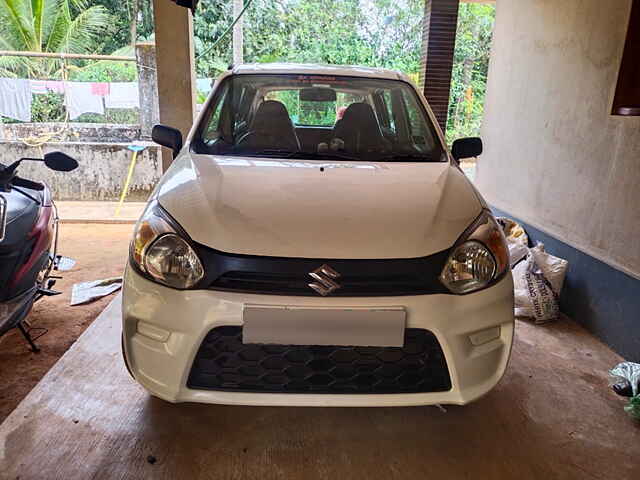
[317, 69]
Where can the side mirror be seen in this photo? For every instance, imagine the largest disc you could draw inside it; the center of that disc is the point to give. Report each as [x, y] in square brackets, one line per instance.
[60, 162]
[466, 148]
[167, 137]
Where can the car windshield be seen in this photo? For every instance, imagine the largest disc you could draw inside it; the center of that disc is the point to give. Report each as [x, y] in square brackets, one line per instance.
[318, 117]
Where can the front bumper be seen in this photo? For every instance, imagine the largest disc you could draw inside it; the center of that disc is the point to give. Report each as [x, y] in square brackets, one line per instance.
[163, 329]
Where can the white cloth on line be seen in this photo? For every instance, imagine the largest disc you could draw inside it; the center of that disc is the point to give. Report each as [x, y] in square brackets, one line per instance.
[78, 99]
[38, 87]
[204, 85]
[122, 95]
[15, 98]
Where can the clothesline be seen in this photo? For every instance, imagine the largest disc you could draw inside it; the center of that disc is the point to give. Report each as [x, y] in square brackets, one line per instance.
[79, 97]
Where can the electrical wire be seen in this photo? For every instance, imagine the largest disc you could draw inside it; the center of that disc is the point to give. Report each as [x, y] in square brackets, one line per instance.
[226, 32]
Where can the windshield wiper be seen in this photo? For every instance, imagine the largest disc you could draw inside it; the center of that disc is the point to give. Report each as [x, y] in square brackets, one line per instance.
[406, 157]
[306, 155]
[397, 157]
[272, 151]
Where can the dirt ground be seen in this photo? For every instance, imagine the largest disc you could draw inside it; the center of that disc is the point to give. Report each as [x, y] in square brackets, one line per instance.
[100, 251]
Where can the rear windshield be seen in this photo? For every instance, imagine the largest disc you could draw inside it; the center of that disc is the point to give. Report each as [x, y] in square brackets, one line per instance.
[317, 117]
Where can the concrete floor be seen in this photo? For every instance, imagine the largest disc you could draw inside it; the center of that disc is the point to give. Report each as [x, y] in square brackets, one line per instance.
[552, 417]
[99, 212]
[100, 252]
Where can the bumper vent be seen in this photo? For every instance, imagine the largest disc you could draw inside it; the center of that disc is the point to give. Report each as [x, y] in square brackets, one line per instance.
[224, 363]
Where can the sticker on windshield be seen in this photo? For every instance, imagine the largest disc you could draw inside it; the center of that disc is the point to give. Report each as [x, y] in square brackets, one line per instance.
[3, 216]
[323, 79]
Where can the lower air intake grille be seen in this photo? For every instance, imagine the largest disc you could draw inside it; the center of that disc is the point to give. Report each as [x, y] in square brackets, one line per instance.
[224, 363]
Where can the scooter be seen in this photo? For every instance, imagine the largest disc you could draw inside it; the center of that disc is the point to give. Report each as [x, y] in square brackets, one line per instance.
[28, 242]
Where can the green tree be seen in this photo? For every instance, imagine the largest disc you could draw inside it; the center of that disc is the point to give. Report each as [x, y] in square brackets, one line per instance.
[393, 29]
[47, 26]
[265, 34]
[470, 68]
[386, 33]
[327, 31]
[131, 20]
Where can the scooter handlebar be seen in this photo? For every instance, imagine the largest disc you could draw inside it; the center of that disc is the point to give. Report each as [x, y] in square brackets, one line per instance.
[23, 182]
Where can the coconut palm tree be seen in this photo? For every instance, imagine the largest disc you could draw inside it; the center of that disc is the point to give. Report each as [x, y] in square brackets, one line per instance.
[47, 26]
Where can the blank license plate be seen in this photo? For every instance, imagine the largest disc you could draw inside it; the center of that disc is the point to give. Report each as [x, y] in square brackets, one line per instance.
[324, 326]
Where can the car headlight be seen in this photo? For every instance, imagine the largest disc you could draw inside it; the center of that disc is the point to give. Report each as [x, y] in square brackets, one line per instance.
[160, 252]
[478, 258]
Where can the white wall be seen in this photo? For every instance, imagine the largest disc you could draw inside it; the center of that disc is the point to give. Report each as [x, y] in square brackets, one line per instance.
[101, 173]
[554, 156]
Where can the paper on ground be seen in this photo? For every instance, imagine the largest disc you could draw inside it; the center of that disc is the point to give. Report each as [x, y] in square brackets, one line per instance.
[86, 292]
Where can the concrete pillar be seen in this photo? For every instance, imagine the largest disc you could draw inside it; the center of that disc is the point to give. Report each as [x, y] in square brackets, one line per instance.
[238, 35]
[175, 68]
[438, 42]
[147, 88]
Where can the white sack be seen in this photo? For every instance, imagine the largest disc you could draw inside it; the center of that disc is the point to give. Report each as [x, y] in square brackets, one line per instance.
[537, 285]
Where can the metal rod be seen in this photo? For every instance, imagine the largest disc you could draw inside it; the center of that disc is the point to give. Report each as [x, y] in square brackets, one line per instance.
[27, 336]
[79, 56]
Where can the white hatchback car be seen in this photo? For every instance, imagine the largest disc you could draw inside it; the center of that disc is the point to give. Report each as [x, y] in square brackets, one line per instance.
[314, 243]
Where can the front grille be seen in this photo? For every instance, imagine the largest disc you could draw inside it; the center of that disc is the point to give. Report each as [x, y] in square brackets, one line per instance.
[291, 276]
[223, 362]
[351, 285]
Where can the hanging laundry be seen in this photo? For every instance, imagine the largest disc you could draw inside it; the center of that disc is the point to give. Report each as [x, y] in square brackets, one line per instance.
[100, 88]
[15, 99]
[38, 87]
[78, 99]
[55, 86]
[122, 95]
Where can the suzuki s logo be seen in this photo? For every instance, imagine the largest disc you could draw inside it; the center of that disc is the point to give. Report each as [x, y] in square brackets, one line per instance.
[325, 277]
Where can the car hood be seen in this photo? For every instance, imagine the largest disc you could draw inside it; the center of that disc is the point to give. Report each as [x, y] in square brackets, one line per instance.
[314, 209]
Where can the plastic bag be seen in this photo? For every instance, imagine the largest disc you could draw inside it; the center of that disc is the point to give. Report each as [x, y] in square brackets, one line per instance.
[517, 239]
[633, 407]
[628, 374]
[538, 282]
